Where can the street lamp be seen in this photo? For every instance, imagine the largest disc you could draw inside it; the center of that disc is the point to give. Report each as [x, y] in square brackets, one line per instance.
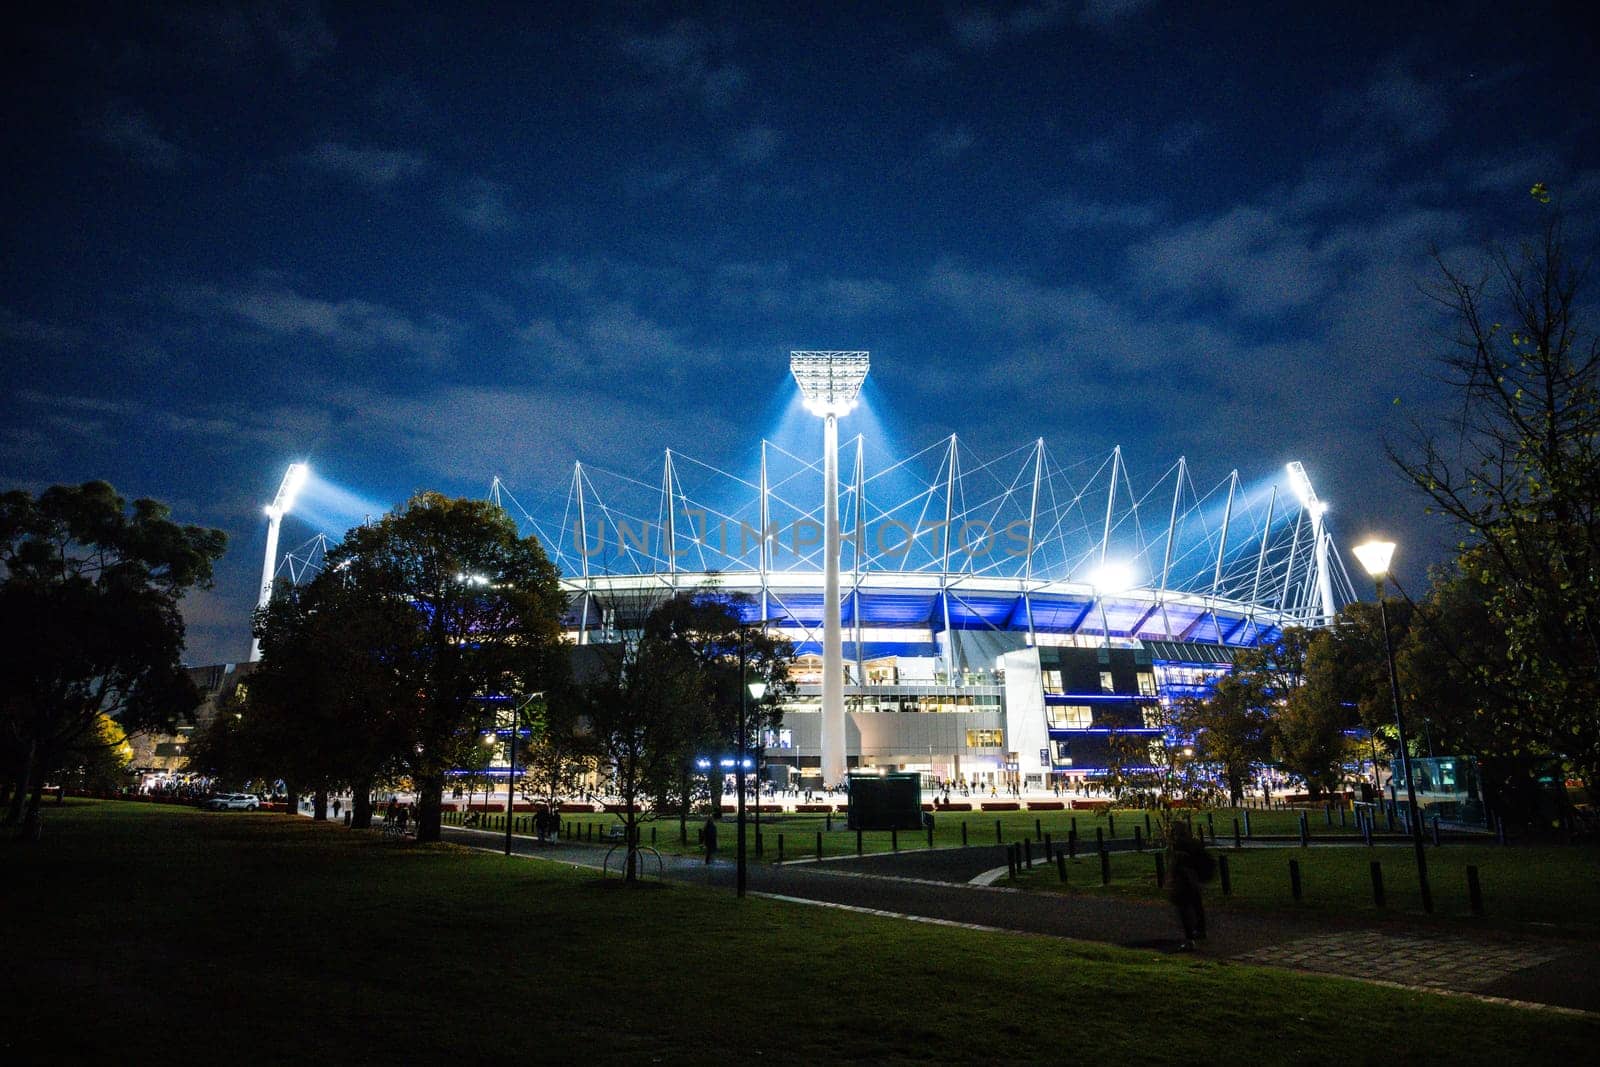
[1375, 557]
[830, 383]
[294, 480]
[757, 689]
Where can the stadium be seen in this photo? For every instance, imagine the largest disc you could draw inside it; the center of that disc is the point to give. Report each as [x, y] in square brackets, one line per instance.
[988, 621]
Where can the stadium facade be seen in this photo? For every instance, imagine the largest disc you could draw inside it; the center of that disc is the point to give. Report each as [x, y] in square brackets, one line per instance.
[996, 618]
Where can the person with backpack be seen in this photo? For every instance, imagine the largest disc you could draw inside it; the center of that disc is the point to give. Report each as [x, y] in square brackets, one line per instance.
[1191, 866]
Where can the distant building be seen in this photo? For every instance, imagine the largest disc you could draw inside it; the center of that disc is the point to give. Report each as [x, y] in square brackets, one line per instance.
[159, 755]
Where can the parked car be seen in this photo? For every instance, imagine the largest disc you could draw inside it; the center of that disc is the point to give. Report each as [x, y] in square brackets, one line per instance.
[233, 802]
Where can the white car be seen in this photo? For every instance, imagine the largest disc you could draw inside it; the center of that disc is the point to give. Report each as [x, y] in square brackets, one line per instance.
[233, 802]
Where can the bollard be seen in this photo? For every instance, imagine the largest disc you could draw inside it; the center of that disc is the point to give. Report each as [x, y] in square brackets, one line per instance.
[1474, 890]
[819, 842]
[1366, 830]
[1377, 883]
[1099, 839]
[1436, 831]
[653, 835]
[1499, 829]
[1161, 870]
[1074, 826]
[1138, 840]
[780, 848]
[1111, 823]
[858, 843]
[1061, 867]
[1049, 849]
[999, 838]
[1027, 853]
[1247, 832]
[930, 835]
[1011, 861]
[1327, 814]
[1341, 814]
[829, 818]
[1294, 879]
[1305, 831]
[1225, 875]
[894, 840]
[1105, 868]
[1211, 826]
[1072, 842]
[1236, 842]
[1147, 824]
[1038, 831]
[963, 833]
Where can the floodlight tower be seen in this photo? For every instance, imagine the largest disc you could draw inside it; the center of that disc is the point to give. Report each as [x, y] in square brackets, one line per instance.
[294, 479]
[1300, 482]
[830, 383]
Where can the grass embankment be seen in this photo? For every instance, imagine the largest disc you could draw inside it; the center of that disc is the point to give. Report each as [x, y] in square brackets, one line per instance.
[261, 938]
[800, 830]
[1553, 885]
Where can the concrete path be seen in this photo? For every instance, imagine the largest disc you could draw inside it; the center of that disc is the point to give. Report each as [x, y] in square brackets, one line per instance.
[935, 886]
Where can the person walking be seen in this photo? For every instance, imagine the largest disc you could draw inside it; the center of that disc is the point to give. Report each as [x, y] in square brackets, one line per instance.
[1191, 866]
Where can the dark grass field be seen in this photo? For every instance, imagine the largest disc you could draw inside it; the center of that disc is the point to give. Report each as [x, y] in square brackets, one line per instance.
[153, 935]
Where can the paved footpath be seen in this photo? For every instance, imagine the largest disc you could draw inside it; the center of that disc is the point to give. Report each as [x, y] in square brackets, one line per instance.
[937, 886]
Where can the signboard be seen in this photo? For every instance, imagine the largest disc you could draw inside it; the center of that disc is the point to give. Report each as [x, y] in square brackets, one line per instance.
[885, 802]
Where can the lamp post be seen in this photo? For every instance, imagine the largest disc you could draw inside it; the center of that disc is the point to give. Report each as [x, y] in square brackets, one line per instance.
[294, 479]
[757, 689]
[1375, 557]
[830, 382]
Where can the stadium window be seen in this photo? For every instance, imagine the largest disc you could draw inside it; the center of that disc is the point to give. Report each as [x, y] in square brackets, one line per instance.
[1071, 716]
[1052, 682]
[983, 739]
[1106, 684]
[1147, 684]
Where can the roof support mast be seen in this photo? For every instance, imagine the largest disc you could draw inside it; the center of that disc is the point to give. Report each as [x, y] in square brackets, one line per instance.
[1166, 556]
[951, 657]
[1300, 482]
[1033, 521]
[583, 552]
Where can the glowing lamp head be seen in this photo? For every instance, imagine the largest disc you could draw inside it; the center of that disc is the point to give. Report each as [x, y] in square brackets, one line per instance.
[1112, 576]
[1300, 484]
[758, 689]
[1375, 557]
[294, 480]
[830, 382]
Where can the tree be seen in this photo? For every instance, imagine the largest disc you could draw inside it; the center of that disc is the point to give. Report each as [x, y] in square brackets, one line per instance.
[1516, 470]
[1231, 727]
[90, 623]
[485, 608]
[99, 761]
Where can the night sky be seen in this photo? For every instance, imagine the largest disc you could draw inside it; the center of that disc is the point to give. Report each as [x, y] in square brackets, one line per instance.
[424, 245]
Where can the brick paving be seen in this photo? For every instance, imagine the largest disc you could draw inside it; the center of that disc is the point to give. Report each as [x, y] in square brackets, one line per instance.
[1426, 959]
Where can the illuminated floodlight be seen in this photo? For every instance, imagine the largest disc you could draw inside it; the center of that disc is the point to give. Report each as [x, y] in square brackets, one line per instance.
[1375, 557]
[1112, 576]
[1300, 483]
[294, 480]
[829, 382]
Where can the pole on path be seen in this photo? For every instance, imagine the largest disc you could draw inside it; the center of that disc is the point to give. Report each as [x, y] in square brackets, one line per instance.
[1105, 867]
[858, 843]
[1161, 870]
[1038, 830]
[1111, 822]
[1474, 890]
[1061, 866]
[1294, 880]
[1247, 831]
[1305, 831]
[1072, 842]
[819, 842]
[894, 840]
[1377, 883]
[930, 834]
[999, 838]
[963, 833]
[1236, 842]
[1436, 830]
[1147, 824]
[1049, 849]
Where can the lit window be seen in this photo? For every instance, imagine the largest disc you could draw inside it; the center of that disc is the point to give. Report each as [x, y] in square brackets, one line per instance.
[1147, 684]
[1052, 682]
[1071, 716]
[1106, 684]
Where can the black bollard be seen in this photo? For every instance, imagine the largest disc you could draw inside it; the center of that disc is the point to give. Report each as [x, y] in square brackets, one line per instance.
[1366, 830]
[1111, 823]
[1147, 824]
[1105, 868]
[1027, 853]
[1225, 875]
[1327, 814]
[1377, 883]
[1161, 870]
[829, 818]
[1305, 831]
[1072, 842]
[1341, 814]
[963, 833]
[1247, 832]
[930, 834]
[1211, 825]
[819, 842]
[1236, 842]
[894, 840]
[1099, 839]
[858, 843]
[653, 837]
[1436, 831]
[1474, 890]
[1138, 840]
[780, 848]
[999, 838]
[1049, 849]
[1061, 866]
[1294, 879]
[1074, 826]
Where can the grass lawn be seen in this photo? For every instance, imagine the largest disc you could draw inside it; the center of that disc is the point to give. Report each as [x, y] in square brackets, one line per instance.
[153, 934]
[800, 830]
[1550, 884]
